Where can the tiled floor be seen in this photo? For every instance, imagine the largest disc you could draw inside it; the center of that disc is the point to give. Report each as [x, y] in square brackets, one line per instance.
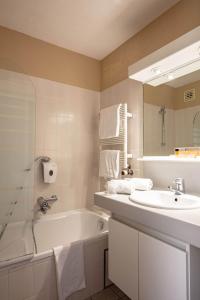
[110, 293]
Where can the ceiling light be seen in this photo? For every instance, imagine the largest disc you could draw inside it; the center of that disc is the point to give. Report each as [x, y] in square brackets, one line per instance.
[173, 66]
[179, 72]
[170, 76]
[156, 71]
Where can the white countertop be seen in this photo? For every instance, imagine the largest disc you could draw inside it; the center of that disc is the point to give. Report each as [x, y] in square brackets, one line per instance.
[181, 224]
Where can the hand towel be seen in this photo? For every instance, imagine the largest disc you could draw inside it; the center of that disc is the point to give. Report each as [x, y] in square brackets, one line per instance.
[120, 187]
[109, 122]
[142, 184]
[69, 269]
[109, 163]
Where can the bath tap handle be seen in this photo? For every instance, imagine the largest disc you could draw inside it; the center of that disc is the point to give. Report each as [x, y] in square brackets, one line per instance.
[52, 198]
[44, 203]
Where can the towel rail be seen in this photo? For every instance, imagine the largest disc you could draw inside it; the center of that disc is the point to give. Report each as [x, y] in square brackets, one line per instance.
[122, 140]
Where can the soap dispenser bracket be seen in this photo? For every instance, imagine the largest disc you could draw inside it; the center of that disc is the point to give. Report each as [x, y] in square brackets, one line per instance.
[43, 158]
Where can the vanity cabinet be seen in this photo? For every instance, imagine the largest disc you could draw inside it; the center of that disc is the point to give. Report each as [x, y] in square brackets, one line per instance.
[123, 258]
[140, 260]
[162, 270]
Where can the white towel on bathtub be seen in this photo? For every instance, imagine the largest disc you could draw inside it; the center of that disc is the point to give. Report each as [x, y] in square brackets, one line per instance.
[69, 269]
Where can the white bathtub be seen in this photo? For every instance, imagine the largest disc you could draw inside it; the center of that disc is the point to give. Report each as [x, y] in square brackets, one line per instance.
[64, 228]
[38, 273]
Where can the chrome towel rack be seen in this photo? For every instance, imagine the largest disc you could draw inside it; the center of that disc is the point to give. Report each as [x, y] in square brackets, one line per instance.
[120, 142]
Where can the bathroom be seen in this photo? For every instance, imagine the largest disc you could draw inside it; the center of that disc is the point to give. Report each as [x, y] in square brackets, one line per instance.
[65, 230]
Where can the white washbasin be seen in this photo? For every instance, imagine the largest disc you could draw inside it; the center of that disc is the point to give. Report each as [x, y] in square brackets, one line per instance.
[165, 199]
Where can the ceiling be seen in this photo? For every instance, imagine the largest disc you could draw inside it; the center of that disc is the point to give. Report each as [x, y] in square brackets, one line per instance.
[91, 27]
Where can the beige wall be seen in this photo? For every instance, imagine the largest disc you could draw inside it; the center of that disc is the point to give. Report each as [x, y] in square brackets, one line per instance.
[181, 18]
[34, 57]
[171, 97]
[37, 58]
[160, 95]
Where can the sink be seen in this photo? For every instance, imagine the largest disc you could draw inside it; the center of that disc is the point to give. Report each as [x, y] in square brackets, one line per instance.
[165, 199]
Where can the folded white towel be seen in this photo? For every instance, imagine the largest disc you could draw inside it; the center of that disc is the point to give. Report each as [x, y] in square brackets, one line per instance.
[109, 122]
[120, 187]
[109, 163]
[69, 269]
[142, 184]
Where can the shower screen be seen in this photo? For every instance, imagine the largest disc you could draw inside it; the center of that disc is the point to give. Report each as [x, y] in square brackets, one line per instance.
[17, 139]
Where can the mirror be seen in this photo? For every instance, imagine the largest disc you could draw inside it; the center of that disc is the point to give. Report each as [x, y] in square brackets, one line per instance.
[17, 140]
[172, 115]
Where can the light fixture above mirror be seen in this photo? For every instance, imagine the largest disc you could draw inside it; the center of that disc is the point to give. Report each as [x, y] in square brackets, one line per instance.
[179, 58]
[174, 66]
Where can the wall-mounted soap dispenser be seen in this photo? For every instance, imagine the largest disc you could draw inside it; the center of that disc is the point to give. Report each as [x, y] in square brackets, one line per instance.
[49, 171]
[49, 168]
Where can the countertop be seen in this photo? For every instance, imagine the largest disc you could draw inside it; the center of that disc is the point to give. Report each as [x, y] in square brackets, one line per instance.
[180, 224]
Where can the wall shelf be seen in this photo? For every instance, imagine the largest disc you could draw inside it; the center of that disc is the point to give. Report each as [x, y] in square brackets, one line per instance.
[170, 158]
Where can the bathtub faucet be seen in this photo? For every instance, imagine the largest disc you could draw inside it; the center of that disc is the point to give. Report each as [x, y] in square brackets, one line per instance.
[44, 203]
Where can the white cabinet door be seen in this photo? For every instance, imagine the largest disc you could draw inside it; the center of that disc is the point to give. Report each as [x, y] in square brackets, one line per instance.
[162, 270]
[123, 258]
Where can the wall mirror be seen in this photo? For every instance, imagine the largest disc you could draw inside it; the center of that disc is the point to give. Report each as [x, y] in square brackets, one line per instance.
[17, 140]
[172, 115]
[171, 95]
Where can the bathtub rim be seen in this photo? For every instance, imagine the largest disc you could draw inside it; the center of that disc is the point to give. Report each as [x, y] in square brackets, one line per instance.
[32, 257]
[60, 215]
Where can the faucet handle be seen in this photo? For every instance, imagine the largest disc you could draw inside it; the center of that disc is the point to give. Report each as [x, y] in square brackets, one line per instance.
[180, 186]
[179, 180]
[46, 204]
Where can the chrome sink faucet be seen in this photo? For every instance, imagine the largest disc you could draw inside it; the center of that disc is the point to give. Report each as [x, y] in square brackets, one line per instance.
[179, 186]
[44, 203]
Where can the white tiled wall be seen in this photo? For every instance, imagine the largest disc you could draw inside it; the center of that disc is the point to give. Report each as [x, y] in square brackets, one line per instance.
[164, 173]
[184, 125]
[67, 131]
[153, 132]
[178, 129]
